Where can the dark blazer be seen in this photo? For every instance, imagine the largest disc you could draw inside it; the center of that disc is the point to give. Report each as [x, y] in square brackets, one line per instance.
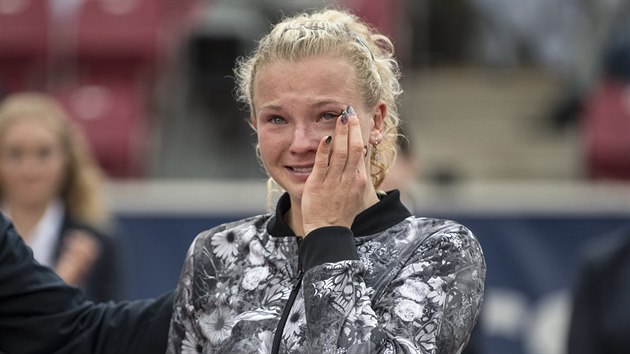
[39, 313]
[104, 281]
[600, 322]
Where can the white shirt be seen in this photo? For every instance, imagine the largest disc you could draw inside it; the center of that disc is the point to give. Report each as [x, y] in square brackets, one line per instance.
[44, 237]
[45, 234]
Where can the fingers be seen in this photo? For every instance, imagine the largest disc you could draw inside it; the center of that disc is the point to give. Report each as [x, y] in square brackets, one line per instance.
[344, 159]
[339, 154]
[322, 156]
[356, 148]
[79, 253]
[82, 247]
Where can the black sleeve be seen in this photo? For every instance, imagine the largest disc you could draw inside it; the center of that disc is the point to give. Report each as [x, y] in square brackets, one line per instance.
[39, 313]
[327, 244]
[105, 279]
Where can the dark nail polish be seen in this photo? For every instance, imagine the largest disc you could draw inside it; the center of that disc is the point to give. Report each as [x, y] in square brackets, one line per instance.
[328, 140]
[350, 110]
[344, 117]
[366, 150]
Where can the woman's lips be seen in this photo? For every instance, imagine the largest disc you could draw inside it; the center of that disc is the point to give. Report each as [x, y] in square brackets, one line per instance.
[302, 169]
[301, 173]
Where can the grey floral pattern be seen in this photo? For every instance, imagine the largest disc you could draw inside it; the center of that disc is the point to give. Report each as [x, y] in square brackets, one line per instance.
[416, 288]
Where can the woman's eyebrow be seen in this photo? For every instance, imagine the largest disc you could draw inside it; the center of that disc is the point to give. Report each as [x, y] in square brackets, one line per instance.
[325, 102]
[271, 106]
[317, 104]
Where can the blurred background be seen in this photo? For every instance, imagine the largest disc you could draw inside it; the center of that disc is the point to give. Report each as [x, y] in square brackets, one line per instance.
[517, 112]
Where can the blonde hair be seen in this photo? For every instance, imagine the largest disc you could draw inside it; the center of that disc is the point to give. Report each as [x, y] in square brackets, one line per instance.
[81, 191]
[344, 35]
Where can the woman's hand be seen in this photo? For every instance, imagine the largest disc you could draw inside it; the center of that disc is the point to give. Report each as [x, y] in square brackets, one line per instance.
[334, 192]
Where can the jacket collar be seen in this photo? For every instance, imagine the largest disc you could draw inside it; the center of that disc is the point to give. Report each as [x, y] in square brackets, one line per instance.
[388, 212]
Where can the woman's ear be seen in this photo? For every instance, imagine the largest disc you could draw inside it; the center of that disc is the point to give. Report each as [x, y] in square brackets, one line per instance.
[376, 135]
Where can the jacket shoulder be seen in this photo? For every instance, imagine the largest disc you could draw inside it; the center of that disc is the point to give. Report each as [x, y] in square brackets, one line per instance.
[443, 230]
[235, 230]
[445, 242]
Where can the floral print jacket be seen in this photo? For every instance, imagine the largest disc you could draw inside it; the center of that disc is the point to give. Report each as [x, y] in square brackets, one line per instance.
[393, 283]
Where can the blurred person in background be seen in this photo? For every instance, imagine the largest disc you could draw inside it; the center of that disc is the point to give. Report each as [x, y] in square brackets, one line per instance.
[404, 172]
[340, 266]
[51, 189]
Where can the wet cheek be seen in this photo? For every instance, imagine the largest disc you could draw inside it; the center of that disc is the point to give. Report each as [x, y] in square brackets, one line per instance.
[268, 147]
[317, 132]
[327, 129]
[262, 154]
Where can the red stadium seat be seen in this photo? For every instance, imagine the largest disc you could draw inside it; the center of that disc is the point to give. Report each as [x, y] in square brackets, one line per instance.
[111, 115]
[607, 131]
[383, 15]
[23, 39]
[114, 28]
[23, 28]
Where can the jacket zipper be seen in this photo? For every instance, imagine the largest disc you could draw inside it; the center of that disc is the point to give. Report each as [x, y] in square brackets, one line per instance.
[277, 338]
[287, 310]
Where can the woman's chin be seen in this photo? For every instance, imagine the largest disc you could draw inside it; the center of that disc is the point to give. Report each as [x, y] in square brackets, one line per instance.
[296, 193]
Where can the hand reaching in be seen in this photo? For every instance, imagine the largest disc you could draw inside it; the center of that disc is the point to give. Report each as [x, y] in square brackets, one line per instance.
[78, 255]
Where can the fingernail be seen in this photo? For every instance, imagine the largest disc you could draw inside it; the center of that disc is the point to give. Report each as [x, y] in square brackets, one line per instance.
[366, 150]
[344, 117]
[350, 110]
[328, 140]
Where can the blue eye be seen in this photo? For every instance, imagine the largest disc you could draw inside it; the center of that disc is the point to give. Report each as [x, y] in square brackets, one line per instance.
[277, 120]
[328, 116]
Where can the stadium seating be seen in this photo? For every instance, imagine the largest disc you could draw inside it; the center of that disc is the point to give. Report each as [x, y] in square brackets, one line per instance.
[111, 114]
[23, 38]
[607, 131]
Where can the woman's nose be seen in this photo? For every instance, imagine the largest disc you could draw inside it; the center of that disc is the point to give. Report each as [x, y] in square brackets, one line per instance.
[305, 140]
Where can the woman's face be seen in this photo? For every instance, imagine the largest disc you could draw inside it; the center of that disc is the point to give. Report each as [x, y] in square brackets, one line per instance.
[295, 105]
[32, 163]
